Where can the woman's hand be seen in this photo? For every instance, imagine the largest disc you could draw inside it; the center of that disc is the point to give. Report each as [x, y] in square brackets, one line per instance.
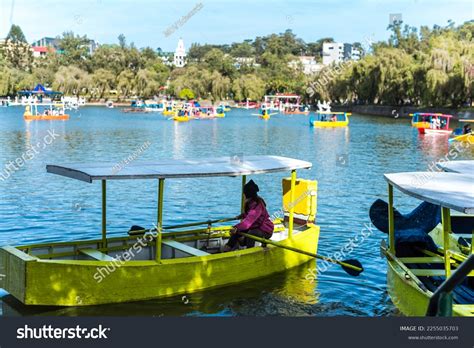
[233, 231]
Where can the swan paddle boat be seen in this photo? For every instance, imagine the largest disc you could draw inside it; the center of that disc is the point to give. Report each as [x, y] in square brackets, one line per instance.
[429, 255]
[165, 260]
[51, 112]
[438, 124]
[326, 119]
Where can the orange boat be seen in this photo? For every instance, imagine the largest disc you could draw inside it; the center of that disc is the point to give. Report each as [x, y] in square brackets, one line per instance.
[52, 112]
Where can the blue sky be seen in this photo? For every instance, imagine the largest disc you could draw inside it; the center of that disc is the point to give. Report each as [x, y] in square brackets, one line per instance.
[225, 21]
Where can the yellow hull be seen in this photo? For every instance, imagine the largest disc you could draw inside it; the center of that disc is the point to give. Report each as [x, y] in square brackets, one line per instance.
[181, 118]
[265, 117]
[220, 115]
[420, 124]
[465, 138]
[169, 113]
[329, 124]
[410, 299]
[36, 281]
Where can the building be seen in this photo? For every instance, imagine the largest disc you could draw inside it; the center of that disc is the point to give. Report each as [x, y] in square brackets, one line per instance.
[41, 51]
[242, 61]
[351, 52]
[92, 46]
[179, 60]
[337, 52]
[309, 64]
[47, 42]
[333, 53]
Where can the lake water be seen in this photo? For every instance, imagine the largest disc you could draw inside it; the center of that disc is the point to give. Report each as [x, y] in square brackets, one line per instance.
[348, 163]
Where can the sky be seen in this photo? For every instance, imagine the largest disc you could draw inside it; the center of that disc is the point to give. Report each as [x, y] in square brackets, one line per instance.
[161, 23]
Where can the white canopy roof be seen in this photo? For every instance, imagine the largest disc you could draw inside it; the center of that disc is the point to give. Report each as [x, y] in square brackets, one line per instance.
[179, 168]
[450, 190]
[463, 167]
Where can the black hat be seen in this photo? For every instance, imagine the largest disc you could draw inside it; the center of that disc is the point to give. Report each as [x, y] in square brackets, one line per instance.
[250, 189]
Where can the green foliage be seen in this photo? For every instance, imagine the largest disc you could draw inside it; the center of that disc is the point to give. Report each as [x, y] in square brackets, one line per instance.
[16, 34]
[425, 66]
[186, 93]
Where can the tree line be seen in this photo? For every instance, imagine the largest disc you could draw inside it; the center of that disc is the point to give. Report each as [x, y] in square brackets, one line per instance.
[429, 67]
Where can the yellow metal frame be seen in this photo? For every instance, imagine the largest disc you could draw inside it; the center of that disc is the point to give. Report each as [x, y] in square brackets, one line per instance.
[292, 202]
[159, 218]
[391, 222]
[104, 214]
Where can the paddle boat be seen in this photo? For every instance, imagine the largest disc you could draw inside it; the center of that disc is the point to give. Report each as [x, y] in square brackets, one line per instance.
[169, 110]
[225, 108]
[183, 118]
[324, 119]
[165, 260]
[423, 257]
[51, 112]
[438, 125]
[153, 107]
[136, 106]
[465, 134]
[421, 119]
[264, 114]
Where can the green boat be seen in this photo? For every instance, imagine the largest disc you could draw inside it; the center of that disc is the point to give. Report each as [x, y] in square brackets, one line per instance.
[430, 245]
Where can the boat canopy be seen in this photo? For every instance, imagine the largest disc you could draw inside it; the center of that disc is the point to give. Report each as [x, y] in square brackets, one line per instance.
[179, 168]
[450, 190]
[462, 167]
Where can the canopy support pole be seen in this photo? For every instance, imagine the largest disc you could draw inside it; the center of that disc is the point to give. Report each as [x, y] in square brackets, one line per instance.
[242, 202]
[104, 214]
[391, 221]
[292, 203]
[159, 222]
[446, 220]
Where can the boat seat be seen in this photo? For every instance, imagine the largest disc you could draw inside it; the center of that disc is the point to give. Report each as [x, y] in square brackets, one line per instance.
[95, 254]
[184, 248]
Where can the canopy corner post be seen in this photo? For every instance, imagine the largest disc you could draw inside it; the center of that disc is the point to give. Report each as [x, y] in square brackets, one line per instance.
[104, 214]
[159, 219]
[391, 221]
[292, 203]
[446, 221]
[242, 201]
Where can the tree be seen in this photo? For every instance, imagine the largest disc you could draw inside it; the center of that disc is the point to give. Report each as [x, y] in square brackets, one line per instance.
[75, 48]
[186, 93]
[16, 35]
[122, 41]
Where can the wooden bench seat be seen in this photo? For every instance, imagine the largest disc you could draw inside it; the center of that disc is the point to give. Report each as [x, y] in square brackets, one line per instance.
[184, 248]
[95, 254]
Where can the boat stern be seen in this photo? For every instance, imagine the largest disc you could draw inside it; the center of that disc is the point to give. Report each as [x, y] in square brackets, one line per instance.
[13, 269]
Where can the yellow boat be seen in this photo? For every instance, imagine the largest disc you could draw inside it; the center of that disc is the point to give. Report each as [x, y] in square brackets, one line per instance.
[165, 260]
[181, 118]
[328, 119]
[424, 267]
[52, 112]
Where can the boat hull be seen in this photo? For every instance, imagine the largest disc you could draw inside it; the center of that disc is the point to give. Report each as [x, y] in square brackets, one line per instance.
[181, 118]
[465, 138]
[36, 281]
[45, 117]
[430, 131]
[328, 124]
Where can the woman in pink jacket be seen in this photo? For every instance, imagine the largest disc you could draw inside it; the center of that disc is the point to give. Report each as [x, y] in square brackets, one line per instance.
[255, 220]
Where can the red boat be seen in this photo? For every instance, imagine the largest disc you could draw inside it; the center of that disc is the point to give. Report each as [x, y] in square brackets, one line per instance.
[438, 125]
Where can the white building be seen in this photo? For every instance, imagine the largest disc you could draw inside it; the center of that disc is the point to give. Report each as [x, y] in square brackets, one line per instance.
[180, 55]
[333, 52]
[336, 52]
[309, 64]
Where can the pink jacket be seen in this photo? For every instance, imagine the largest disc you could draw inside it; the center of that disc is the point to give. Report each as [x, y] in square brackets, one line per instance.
[256, 217]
